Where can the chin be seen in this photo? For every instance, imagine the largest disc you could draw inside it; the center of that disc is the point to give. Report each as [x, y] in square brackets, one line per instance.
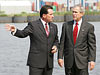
[51, 20]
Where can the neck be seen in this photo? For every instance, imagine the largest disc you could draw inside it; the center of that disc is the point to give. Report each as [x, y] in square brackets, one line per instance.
[78, 20]
[44, 20]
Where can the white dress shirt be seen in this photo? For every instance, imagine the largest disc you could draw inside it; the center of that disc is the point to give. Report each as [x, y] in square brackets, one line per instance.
[43, 22]
[79, 25]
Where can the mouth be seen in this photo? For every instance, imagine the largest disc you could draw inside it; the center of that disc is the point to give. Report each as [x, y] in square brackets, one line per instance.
[73, 17]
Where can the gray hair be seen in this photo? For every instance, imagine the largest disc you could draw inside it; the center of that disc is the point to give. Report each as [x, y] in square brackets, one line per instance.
[82, 9]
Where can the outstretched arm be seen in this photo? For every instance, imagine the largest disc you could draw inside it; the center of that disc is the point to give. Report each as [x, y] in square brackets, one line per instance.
[20, 33]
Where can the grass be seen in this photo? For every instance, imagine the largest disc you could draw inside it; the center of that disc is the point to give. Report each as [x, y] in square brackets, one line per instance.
[92, 13]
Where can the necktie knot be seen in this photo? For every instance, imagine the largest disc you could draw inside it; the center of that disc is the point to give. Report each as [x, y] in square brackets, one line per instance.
[76, 23]
[46, 26]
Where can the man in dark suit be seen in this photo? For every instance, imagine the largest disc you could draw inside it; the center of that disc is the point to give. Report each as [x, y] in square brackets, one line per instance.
[43, 42]
[77, 44]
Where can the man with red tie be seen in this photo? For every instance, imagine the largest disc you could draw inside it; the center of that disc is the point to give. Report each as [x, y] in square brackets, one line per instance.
[43, 42]
[77, 44]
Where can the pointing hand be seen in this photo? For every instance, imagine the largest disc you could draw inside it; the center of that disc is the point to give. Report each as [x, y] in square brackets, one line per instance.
[10, 27]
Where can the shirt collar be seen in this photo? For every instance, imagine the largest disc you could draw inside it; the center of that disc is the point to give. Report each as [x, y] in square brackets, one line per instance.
[79, 22]
[43, 21]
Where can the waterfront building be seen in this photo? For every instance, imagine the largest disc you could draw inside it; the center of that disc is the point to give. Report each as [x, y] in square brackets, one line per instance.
[15, 7]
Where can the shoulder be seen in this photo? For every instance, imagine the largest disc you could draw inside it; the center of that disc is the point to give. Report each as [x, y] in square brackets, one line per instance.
[34, 23]
[68, 23]
[88, 24]
[53, 24]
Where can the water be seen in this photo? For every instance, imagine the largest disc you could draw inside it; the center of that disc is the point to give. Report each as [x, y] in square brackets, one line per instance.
[14, 52]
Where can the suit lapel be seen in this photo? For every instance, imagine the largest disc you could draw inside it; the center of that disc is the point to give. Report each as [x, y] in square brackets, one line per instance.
[43, 29]
[39, 23]
[80, 32]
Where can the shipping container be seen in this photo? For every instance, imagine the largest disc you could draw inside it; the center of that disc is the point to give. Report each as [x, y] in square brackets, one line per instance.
[33, 6]
[55, 4]
[42, 3]
[54, 8]
[49, 3]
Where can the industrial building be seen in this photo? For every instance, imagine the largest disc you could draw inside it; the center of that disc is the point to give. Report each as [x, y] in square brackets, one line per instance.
[15, 7]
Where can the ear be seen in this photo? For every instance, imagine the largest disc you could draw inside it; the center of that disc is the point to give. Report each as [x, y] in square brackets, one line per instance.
[44, 15]
[82, 13]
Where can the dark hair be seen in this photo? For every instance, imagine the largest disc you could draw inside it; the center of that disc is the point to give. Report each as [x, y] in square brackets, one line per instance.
[44, 9]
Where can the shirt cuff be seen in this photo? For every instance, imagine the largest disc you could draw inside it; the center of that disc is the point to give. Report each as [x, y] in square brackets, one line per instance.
[13, 33]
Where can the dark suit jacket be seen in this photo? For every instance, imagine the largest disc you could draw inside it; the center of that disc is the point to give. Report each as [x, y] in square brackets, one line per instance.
[40, 44]
[84, 49]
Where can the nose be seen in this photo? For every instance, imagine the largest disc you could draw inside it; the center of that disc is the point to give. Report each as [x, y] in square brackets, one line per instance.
[73, 13]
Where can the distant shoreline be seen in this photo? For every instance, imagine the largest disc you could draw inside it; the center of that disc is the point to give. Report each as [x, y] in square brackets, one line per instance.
[24, 19]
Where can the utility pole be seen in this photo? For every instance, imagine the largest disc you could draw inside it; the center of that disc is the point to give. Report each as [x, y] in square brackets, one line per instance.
[68, 6]
[37, 5]
[74, 2]
[83, 3]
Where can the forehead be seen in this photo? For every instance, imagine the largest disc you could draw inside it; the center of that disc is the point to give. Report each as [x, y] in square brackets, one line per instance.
[76, 9]
[50, 10]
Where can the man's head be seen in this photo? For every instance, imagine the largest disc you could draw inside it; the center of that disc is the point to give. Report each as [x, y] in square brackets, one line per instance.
[77, 12]
[46, 13]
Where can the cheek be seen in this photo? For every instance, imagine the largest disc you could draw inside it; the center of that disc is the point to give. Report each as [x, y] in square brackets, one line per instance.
[48, 17]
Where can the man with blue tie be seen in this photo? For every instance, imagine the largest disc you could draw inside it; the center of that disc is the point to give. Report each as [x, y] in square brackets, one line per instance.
[77, 44]
[43, 42]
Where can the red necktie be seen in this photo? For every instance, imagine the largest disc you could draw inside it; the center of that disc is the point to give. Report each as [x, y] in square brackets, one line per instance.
[75, 32]
[46, 29]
